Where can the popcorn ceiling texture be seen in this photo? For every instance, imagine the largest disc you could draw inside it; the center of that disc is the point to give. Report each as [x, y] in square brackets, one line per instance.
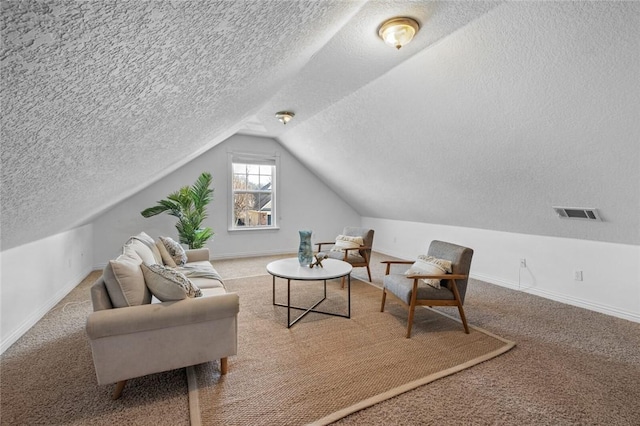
[495, 113]
[99, 97]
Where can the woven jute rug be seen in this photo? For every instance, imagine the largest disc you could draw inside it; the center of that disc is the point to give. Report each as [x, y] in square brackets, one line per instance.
[325, 367]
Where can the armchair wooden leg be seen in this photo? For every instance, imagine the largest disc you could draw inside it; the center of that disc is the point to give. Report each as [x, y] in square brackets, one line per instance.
[223, 366]
[410, 320]
[464, 319]
[384, 297]
[342, 283]
[118, 389]
[369, 272]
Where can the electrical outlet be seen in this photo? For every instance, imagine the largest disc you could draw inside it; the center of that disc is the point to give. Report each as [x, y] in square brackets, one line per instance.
[523, 263]
[577, 275]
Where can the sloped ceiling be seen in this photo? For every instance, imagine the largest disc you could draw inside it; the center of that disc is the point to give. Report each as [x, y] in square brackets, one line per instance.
[495, 113]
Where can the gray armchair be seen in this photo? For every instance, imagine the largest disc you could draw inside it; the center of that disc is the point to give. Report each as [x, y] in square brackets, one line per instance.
[412, 292]
[357, 257]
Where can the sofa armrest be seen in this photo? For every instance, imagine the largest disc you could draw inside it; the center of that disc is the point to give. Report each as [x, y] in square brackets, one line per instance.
[134, 319]
[197, 255]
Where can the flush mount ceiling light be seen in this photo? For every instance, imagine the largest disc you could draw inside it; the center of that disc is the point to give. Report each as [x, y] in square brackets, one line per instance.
[284, 116]
[397, 32]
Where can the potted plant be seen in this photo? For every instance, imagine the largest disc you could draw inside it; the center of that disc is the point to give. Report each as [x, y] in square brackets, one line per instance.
[188, 204]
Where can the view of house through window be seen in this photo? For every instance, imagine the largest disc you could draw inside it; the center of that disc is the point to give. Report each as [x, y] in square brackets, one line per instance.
[253, 192]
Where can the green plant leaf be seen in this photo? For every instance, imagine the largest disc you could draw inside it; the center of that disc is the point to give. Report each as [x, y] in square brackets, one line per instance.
[188, 204]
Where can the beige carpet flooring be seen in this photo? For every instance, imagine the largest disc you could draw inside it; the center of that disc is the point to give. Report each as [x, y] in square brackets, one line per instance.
[325, 367]
[571, 367]
[47, 378]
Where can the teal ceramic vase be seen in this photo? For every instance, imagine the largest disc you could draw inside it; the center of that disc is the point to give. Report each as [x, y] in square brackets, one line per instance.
[305, 252]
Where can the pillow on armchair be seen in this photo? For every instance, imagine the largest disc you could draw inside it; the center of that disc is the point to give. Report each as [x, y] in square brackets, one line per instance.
[429, 265]
[344, 242]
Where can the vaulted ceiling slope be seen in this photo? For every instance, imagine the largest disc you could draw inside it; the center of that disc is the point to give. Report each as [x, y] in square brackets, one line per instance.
[495, 113]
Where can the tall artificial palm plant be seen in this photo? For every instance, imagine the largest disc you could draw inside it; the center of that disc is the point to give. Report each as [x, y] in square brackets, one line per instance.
[188, 204]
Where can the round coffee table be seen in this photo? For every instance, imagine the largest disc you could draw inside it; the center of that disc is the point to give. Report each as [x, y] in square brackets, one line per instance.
[290, 269]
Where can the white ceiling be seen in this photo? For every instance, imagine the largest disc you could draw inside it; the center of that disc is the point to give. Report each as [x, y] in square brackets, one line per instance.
[494, 114]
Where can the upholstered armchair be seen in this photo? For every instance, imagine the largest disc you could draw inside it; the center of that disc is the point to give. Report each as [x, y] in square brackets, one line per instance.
[446, 270]
[345, 247]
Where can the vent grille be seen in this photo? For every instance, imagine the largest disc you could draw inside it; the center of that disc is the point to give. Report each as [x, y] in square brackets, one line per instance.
[578, 213]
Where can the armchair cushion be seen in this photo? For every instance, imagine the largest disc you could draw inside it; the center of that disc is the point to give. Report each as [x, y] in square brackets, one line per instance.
[429, 265]
[167, 284]
[402, 287]
[175, 250]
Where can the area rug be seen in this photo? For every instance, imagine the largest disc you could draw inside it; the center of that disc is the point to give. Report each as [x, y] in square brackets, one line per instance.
[324, 367]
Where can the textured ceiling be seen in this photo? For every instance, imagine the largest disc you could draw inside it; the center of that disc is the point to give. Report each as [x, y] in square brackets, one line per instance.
[101, 97]
[532, 105]
[492, 115]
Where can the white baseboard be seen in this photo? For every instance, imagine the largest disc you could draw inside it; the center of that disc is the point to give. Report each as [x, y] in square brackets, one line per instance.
[252, 254]
[101, 266]
[41, 312]
[573, 301]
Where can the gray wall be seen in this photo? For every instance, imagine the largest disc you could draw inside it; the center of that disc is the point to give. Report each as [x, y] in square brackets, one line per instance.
[304, 202]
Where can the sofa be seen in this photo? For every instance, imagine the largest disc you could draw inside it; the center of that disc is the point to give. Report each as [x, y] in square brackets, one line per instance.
[147, 318]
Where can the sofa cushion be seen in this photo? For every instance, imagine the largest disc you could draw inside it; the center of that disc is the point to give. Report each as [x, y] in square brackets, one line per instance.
[167, 284]
[429, 265]
[149, 242]
[142, 249]
[175, 250]
[125, 282]
[166, 257]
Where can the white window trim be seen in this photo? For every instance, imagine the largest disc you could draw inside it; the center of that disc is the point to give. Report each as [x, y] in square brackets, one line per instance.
[272, 158]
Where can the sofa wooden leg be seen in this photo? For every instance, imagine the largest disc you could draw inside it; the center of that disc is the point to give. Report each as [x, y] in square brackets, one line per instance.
[223, 365]
[118, 390]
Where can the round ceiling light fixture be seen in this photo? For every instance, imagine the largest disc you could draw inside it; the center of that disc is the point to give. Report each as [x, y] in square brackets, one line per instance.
[397, 32]
[284, 116]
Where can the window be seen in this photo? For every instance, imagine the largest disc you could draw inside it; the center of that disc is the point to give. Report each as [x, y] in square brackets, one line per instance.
[253, 191]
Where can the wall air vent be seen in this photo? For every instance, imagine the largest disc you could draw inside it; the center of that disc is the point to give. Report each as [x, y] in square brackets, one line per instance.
[577, 213]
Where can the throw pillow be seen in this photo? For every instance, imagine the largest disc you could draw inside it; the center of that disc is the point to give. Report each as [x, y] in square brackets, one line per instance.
[175, 250]
[345, 241]
[145, 238]
[125, 282]
[142, 250]
[429, 265]
[168, 284]
[166, 257]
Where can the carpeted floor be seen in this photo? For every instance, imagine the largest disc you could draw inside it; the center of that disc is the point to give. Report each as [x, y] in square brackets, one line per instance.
[47, 378]
[570, 367]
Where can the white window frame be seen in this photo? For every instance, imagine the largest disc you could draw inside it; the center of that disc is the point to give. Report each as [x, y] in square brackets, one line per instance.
[262, 159]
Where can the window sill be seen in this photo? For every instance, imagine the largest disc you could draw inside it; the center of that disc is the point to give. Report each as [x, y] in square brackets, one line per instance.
[249, 229]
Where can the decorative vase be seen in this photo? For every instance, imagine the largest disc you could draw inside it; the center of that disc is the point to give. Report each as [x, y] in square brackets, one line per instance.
[305, 252]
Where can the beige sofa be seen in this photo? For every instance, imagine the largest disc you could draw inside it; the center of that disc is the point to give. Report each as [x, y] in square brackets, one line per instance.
[133, 334]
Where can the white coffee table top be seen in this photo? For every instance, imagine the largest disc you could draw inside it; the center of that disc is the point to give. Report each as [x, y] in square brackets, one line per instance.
[291, 269]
